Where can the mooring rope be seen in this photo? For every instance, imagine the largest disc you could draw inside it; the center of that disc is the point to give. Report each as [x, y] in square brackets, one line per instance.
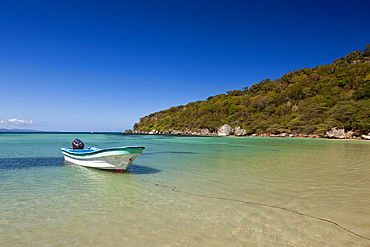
[174, 189]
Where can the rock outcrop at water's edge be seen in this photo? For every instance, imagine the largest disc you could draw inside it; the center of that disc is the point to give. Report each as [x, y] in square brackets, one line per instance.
[224, 130]
[227, 130]
[366, 137]
[338, 134]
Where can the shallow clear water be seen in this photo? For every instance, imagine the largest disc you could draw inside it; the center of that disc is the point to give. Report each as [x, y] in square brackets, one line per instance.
[186, 191]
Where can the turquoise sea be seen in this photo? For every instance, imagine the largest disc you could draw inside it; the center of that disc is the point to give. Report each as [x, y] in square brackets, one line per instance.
[186, 191]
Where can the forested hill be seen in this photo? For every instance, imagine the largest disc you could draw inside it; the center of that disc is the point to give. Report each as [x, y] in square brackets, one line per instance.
[305, 101]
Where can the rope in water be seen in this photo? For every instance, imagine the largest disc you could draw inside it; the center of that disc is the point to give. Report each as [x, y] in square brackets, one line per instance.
[174, 189]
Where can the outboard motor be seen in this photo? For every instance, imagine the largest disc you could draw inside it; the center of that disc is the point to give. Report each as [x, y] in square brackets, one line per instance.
[78, 144]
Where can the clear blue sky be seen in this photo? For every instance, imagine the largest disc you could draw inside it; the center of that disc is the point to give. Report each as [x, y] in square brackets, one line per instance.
[101, 65]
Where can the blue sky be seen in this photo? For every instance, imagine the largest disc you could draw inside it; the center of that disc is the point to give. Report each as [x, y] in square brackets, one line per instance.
[101, 65]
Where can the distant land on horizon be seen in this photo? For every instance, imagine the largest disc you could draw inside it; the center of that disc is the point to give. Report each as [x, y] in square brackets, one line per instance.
[20, 130]
[4, 130]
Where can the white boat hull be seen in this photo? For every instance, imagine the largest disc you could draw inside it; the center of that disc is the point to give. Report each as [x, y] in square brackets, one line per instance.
[117, 159]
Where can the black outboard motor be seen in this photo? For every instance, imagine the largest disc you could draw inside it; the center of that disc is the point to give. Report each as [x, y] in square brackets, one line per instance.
[78, 144]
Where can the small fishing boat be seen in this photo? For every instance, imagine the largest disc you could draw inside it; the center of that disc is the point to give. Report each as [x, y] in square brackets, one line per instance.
[116, 159]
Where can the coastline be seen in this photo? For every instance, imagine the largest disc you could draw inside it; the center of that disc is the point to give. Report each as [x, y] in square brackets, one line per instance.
[328, 135]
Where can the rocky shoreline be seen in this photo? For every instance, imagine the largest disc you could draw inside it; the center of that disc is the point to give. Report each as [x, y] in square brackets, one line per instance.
[227, 130]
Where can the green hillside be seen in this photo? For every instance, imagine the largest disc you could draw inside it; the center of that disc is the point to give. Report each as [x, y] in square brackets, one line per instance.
[305, 101]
